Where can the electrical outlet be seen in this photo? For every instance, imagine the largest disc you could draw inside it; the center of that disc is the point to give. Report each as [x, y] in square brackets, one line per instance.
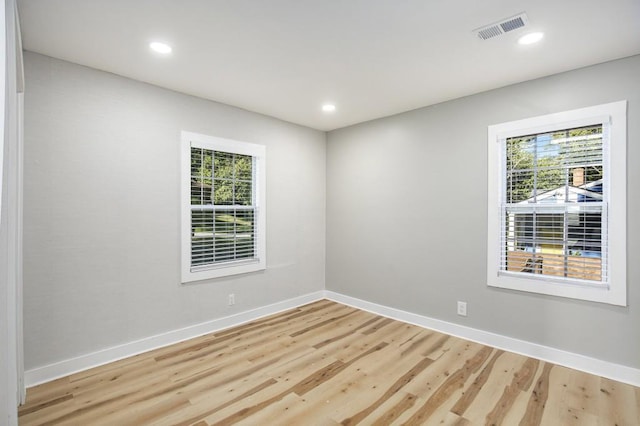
[232, 299]
[462, 308]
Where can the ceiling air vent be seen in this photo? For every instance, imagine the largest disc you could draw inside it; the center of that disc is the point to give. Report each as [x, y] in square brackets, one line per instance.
[504, 26]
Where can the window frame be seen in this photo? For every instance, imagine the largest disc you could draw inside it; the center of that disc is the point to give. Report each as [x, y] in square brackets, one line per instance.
[222, 269]
[614, 289]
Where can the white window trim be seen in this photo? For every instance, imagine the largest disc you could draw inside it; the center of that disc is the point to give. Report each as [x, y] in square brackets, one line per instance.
[615, 290]
[258, 152]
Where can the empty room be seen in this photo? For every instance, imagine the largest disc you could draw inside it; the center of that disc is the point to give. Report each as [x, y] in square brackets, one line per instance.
[332, 212]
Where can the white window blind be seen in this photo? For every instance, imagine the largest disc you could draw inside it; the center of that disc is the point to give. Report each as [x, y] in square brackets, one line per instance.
[223, 207]
[554, 204]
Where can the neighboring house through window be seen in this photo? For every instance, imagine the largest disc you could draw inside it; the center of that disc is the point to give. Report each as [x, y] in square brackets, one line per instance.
[223, 207]
[557, 204]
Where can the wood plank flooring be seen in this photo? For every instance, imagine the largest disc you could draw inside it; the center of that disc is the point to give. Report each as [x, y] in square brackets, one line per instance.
[329, 364]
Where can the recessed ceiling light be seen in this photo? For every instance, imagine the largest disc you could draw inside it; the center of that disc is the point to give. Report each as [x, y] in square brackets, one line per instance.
[160, 47]
[328, 107]
[530, 38]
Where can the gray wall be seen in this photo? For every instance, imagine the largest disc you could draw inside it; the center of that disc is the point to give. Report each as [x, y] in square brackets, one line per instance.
[407, 215]
[101, 202]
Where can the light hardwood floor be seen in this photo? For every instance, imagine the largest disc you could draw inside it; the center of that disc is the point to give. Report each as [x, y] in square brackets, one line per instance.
[327, 364]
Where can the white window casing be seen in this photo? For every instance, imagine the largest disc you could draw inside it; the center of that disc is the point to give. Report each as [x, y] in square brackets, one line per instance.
[223, 208]
[510, 229]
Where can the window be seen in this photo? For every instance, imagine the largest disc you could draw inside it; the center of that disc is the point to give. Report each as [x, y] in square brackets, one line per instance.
[557, 204]
[223, 207]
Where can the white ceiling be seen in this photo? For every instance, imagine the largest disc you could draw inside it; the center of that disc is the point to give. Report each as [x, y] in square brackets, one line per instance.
[372, 58]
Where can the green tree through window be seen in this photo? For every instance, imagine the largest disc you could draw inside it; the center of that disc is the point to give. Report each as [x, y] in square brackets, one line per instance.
[224, 231]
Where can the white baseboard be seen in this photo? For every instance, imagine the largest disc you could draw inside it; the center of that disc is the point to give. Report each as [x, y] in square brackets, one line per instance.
[598, 367]
[595, 366]
[64, 368]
